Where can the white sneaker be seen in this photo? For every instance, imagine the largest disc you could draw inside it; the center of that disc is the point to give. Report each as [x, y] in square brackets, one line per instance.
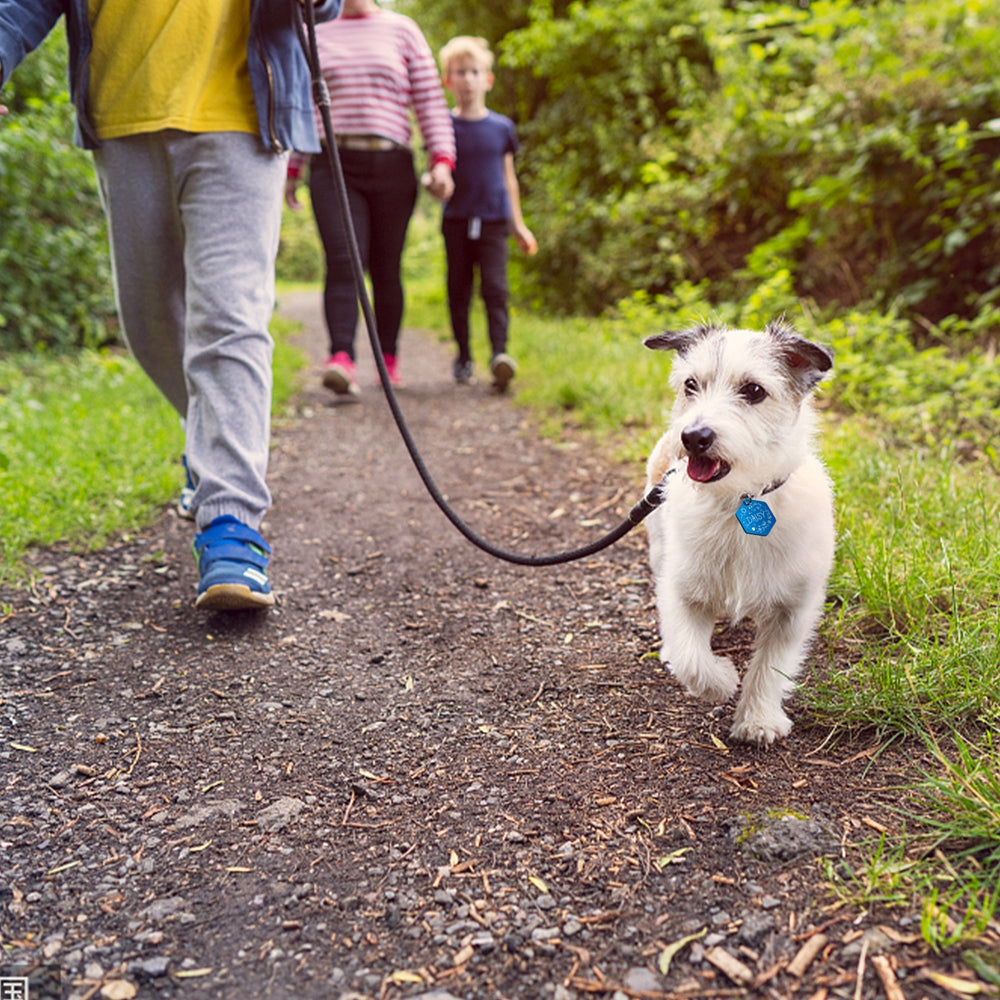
[502, 368]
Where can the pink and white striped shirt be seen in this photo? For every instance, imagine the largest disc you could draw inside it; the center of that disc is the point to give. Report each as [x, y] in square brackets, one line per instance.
[377, 67]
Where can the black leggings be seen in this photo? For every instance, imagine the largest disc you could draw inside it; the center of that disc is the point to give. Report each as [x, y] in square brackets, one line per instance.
[382, 192]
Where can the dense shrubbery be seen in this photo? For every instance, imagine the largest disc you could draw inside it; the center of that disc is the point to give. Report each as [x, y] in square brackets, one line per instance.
[300, 253]
[853, 146]
[55, 276]
[835, 152]
[876, 130]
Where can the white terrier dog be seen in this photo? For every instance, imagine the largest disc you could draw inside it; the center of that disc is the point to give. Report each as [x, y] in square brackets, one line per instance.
[746, 529]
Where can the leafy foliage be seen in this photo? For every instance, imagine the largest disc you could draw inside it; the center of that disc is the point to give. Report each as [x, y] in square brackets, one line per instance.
[55, 288]
[853, 147]
[300, 253]
[887, 146]
[590, 136]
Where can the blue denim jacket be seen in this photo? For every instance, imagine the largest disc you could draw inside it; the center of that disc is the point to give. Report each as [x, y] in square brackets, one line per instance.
[279, 72]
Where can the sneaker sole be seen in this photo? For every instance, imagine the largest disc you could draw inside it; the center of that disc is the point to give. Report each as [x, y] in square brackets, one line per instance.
[184, 508]
[339, 383]
[502, 373]
[232, 597]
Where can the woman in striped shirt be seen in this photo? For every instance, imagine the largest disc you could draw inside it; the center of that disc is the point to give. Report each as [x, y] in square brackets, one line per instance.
[378, 67]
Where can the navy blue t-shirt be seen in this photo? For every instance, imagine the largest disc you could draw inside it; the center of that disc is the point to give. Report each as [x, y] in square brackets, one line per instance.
[481, 145]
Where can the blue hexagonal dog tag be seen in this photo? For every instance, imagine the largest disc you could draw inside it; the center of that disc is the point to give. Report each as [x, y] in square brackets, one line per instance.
[755, 516]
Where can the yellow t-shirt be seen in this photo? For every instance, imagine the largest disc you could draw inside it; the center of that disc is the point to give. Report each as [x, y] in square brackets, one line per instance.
[163, 64]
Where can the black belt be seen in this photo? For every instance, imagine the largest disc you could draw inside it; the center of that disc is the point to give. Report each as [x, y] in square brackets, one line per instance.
[373, 143]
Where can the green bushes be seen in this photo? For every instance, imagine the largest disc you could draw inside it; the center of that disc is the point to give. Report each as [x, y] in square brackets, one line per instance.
[612, 80]
[893, 152]
[55, 277]
[930, 397]
[841, 153]
[854, 146]
[300, 253]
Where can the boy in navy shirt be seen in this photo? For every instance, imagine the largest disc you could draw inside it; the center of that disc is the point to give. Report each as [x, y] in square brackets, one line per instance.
[484, 209]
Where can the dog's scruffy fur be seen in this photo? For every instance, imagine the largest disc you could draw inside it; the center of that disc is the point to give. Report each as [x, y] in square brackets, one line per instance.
[742, 426]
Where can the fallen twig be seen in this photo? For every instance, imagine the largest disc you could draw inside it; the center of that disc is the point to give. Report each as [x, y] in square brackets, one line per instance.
[731, 967]
[805, 955]
[886, 973]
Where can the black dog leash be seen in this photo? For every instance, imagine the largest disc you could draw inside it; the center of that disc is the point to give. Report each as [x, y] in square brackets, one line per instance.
[650, 500]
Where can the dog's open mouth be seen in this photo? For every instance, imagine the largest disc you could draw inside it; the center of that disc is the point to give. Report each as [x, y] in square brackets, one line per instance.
[704, 469]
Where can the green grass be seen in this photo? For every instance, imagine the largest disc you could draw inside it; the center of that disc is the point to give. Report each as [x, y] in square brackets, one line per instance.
[87, 449]
[916, 591]
[88, 452]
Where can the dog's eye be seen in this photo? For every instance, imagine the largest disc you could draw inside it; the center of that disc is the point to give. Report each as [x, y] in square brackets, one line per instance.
[753, 393]
[690, 386]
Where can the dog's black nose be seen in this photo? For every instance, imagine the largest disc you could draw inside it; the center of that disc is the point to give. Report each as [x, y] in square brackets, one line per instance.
[697, 439]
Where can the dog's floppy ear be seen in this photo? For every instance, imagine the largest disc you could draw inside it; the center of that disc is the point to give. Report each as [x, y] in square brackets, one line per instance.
[807, 361]
[676, 340]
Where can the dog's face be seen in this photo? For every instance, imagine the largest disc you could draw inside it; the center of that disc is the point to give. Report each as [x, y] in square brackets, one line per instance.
[741, 417]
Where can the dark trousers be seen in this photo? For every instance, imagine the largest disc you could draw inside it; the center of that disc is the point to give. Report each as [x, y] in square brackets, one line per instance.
[489, 253]
[381, 191]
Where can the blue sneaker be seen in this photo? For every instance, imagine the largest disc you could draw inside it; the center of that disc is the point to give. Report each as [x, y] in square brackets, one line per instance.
[184, 507]
[232, 562]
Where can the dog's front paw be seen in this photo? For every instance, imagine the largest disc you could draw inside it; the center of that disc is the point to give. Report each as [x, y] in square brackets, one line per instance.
[761, 729]
[715, 678]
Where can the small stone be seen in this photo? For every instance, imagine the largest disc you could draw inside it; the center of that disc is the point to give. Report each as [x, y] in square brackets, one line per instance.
[876, 940]
[160, 909]
[784, 838]
[544, 933]
[755, 927]
[152, 968]
[279, 814]
[208, 812]
[641, 980]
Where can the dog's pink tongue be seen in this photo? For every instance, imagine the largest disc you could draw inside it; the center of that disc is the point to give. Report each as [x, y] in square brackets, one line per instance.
[701, 468]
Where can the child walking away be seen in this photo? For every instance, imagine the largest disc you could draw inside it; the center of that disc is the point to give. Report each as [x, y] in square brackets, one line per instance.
[484, 208]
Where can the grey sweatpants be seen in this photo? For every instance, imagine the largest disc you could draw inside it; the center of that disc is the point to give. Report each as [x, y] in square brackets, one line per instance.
[194, 221]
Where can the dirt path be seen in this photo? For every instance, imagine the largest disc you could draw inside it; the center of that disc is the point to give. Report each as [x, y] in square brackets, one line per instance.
[425, 773]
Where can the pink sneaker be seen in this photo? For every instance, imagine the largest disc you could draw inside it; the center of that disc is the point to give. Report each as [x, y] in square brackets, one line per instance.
[391, 366]
[339, 375]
